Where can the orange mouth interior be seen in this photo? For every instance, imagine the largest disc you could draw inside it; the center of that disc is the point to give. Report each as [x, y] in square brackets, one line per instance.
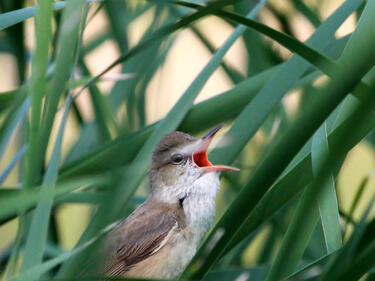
[200, 159]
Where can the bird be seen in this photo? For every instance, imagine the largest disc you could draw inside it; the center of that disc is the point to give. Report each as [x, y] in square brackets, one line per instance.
[162, 235]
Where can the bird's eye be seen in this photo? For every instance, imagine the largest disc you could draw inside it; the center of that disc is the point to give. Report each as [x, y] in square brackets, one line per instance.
[177, 158]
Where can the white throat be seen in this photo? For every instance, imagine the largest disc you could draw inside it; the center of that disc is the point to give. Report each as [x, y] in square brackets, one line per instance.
[199, 204]
[199, 207]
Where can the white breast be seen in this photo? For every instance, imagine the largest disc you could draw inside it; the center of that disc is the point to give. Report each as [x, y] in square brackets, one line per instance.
[199, 208]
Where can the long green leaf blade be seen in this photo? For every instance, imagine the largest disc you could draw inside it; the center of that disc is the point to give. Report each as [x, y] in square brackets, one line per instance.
[296, 238]
[327, 200]
[270, 95]
[358, 59]
[12, 163]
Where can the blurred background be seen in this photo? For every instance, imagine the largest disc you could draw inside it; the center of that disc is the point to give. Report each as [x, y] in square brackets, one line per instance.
[158, 81]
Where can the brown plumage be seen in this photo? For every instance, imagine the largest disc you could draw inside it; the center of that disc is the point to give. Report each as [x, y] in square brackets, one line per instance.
[139, 237]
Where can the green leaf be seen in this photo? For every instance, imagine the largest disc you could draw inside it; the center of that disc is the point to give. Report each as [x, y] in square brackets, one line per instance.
[294, 179]
[66, 42]
[12, 163]
[8, 98]
[159, 34]
[362, 264]
[342, 265]
[81, 197]
[296, 238]
[356, 199]
[304, 51]
[299, 176]
[10, 124]
[14, 17]
[104, 118]
[327, 201]
[37, 88]
[13, 203]
[37, 235]
[355, 63]
[310, 269]
[312, 16]
[266, 100]
[37, 270]
[252, 273]
[17, 16]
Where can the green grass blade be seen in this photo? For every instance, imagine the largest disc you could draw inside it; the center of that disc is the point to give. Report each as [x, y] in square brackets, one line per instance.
[91, 45]
[306, 217]
[360, 116]
[118, 17]
[12, 163]
[304, 51]
[233, 74]
[361, 265]
[159, 34]
[37, 235]
[17, 16]
[81, 197]
[37, 88]
[270, 95]
[67, 41]
[343, 261]
[252, 273]
[297, 175]
[260, 214]
[88, 197]
[296, 238]
[311, 15]
[356, 199]
[15, 203]
[10, 124]
[9, 98]
[300, 273]
[327, 200]
[358, 60]
[39, 269]
[14, 17]
[104, 118]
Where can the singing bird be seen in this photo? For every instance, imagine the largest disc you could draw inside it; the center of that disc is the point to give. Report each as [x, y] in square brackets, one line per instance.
[162, 235]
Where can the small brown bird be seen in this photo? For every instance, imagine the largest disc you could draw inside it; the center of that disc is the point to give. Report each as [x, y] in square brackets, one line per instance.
[162, 235]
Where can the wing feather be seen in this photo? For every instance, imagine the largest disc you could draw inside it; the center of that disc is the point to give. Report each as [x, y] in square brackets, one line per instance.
[141, 235]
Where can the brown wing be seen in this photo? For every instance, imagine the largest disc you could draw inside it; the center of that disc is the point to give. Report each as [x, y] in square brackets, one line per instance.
[141, 235]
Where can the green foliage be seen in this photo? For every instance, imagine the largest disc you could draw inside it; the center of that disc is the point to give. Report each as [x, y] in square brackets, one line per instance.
[292, 189]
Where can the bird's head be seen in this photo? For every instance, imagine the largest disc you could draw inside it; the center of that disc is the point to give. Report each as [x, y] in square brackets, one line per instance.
[179, 160]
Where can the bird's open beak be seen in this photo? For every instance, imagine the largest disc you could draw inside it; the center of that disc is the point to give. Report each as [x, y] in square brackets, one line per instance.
[200, 155]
